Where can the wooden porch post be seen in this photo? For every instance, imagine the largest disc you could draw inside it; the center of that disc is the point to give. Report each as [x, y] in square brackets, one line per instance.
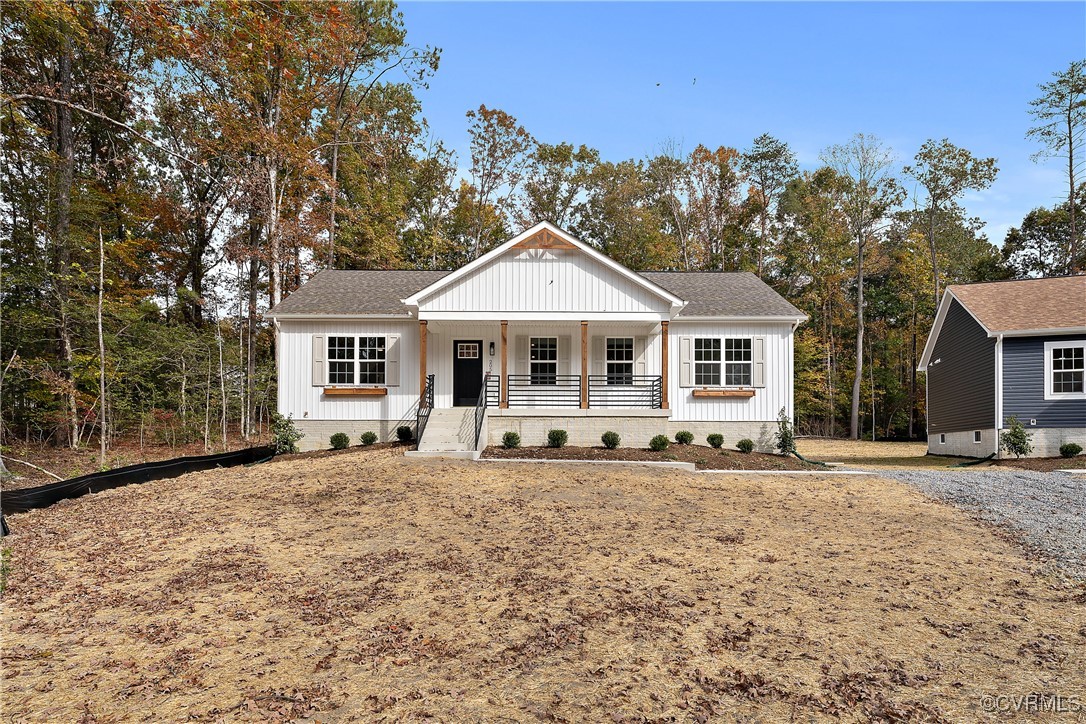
[503, 402]
[422, 362]
[584, 365]
[663, 365]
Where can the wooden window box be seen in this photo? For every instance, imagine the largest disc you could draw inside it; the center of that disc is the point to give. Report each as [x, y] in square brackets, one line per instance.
[357, 391]
[704, 392]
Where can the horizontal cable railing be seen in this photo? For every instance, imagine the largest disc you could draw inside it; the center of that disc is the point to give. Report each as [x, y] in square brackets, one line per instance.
[622, 390]
[544, 390]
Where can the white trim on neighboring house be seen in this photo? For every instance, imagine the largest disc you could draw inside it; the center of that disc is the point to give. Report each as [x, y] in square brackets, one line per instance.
[1049, 346]
[339, 317]
[999, 383]
[944, 308]
[1041, 332]
[796, 320]
[417, 297]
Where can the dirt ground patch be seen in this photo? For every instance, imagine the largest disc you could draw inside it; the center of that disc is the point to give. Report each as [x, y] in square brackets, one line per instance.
[703, 456]
[869, 454]
[368, 586]
[1044, 465]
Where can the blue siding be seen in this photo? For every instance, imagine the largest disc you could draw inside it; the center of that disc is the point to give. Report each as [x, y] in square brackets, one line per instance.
[961, 376]
[1024, 385]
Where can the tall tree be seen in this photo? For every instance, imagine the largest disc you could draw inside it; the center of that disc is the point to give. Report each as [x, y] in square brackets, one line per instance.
[1039, 246]
[945, 172]
[768, 164]
[556, 176]
[669, 178]
[1060, 113]
[499, 156]
[871, 191]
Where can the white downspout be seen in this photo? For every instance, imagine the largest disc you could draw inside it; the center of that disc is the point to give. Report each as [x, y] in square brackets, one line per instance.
[999, 389]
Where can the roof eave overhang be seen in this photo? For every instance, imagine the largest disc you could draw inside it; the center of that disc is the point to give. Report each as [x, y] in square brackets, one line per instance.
[312, 317]
[937, 326]
[1051, 332]
[771, 318]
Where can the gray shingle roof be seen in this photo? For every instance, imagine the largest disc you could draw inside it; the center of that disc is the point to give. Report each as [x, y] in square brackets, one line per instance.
[356, 292]
[723, 294]
[709, 294]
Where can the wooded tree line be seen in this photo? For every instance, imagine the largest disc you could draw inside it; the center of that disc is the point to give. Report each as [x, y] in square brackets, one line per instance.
[173, 169]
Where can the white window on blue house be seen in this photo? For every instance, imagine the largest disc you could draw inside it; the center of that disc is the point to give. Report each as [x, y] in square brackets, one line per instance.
[1065, 370]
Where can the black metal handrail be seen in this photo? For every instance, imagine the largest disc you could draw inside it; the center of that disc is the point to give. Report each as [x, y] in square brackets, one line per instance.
[544, 390]
[426, 403]
[480, 408]
[622, 390]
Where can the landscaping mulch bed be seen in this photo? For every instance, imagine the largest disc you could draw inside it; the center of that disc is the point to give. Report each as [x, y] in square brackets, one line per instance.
[1044, 465]
[705, 458]
[318, 454]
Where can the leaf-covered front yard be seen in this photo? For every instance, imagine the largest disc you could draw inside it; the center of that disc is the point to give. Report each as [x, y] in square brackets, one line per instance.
[370, 586]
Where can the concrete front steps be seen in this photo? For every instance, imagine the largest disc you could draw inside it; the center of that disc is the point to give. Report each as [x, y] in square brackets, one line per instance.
[449, 433]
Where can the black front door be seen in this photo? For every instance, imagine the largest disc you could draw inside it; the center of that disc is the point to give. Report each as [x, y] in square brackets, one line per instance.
[467, 371]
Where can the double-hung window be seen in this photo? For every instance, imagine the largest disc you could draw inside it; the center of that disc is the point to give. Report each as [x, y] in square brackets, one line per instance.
[1065, 370]
[543, 360]
[356, 360]
[707, 361]
[727, 362]
[738, 362]
[620, 360]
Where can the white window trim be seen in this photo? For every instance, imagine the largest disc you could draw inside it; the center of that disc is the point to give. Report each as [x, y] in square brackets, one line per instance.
[1049, 394]
[942, 438]
[532, 376]
[356, 361]
[723, 363]
[694, 361]
[977, 437]
[608, 361]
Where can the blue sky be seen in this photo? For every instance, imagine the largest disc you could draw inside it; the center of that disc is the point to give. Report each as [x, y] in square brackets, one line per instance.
[620, 77]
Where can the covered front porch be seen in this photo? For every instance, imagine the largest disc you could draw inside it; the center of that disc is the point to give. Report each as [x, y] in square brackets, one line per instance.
[536, 364]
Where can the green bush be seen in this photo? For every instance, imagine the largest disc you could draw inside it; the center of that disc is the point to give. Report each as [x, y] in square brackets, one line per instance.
[684, 437]
[340, 441]
[746, 445]
[510, 440]
[404, 433]
[786, 438]
[715, 440]
[659, 443]
[557, 438]
[1016, 440]
[368, 438]
[611, 440]
[285, 435]
[1070, 449]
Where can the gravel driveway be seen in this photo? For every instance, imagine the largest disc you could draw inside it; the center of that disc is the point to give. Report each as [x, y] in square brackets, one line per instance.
[1047, 509]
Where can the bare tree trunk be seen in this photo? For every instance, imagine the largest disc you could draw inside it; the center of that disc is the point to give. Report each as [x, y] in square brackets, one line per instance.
[207, 407]
[272, 220]
[1073, 265]
[65, 173]
[912, 380]
[931, 247]
[222, 377]
[254, 279]
[103, 429]
[335, 197]
[854, 422]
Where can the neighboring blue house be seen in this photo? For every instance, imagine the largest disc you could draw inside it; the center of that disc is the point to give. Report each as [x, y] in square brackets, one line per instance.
[1002, 349]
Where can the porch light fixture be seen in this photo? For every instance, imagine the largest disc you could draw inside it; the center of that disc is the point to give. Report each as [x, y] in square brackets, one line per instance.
[491, 349]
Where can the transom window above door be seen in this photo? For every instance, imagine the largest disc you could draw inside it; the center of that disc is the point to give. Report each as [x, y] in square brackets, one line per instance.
[543, 360]
[620, 360]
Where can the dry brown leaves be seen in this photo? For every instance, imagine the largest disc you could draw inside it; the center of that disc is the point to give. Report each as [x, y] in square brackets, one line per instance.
[367, 586]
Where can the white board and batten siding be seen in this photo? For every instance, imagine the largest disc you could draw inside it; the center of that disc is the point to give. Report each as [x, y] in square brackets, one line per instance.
[302, 371]
[776, 380]
[540, 281]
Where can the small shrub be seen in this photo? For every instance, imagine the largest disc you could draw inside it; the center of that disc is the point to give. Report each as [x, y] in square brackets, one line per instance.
[340, 441]
[5, 568]
[510, 440]
[610, 440]
[285, 434]
[404, 433]
[715, 440]
[1016, 440]
[668, 456]
[786, 438]
[684, 437]
[369, 437]
[1070, 449]
[557, 438]
[746, 445]
[659, 443]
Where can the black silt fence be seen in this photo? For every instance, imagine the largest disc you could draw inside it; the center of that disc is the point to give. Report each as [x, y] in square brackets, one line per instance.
[20, 501]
